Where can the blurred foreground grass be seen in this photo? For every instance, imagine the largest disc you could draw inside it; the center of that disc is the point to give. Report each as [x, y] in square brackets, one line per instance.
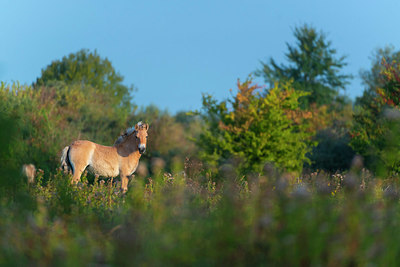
[272, 219]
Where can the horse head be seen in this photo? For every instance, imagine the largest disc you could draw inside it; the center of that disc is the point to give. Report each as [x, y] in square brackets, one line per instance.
[141, 136]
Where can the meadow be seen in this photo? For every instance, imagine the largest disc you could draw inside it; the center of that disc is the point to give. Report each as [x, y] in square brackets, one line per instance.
[292, 173]
[172, 219]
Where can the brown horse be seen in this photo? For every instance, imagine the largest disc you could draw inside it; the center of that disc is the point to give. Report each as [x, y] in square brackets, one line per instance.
[29, 170]
[109, 161]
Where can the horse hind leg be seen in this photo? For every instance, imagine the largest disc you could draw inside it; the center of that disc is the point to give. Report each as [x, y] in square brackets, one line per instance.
[77, 166]
[76, 177]
[78, 169]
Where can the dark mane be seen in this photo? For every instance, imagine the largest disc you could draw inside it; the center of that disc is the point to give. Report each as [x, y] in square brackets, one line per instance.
[127, 133]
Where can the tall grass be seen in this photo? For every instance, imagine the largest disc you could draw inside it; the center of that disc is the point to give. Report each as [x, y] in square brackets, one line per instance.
[318, 220]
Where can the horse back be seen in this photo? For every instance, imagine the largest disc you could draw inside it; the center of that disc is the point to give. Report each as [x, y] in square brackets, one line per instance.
[99, 159]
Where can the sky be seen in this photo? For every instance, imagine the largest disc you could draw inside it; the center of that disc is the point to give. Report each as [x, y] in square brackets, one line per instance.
[174, 51]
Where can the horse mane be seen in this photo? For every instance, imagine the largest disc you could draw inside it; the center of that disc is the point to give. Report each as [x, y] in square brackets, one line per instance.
[127, 133]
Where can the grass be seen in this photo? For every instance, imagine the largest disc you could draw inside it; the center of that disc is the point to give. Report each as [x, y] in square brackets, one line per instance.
[318, 220]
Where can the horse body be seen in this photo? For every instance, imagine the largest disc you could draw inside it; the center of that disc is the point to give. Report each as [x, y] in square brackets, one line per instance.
[109, 161]
[29, 170]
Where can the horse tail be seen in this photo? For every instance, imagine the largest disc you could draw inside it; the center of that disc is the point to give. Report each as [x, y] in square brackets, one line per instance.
[65, 162]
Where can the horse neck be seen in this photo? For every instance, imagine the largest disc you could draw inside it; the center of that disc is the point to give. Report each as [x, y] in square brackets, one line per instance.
[129, 147]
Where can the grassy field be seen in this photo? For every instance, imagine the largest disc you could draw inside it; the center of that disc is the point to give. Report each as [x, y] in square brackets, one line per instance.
[205, 196]
[170, 219]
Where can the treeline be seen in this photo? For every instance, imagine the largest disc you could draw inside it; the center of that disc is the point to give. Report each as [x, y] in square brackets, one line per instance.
[300, 120]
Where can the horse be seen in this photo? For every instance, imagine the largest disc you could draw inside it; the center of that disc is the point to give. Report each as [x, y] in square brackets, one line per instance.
[29, 171]
[108, 161]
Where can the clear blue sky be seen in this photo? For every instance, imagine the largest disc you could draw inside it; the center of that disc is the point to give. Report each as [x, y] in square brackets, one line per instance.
[173, 51]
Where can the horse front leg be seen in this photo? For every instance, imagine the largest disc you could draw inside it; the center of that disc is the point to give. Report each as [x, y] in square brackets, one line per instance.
[124, 183]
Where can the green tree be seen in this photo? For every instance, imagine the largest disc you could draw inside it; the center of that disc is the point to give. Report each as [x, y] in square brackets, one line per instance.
[88, 69]
[372, 78]
[376, 130]
[257, 127]
[313, 67]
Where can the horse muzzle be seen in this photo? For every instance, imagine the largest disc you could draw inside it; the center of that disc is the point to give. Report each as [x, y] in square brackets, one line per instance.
[142, 149]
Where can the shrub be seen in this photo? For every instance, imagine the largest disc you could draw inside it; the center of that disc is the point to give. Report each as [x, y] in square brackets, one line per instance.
[257, 127]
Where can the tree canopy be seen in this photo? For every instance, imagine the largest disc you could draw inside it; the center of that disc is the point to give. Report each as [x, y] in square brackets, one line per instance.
[313, 67]
[372, 79]
[88, 69]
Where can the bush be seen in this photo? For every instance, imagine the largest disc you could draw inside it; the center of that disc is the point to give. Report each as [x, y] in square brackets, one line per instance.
[258, 127]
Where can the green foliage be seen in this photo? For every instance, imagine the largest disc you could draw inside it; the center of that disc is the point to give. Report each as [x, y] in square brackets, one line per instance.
[179, 219]
[370, 124]
[10, 178]
[170, 137]
[51, 117]
[313, 68]
[78, 97]
[257, 128]
[376, 128]
[176, 220]
[251, 217]
[372, 78]
[88, 69]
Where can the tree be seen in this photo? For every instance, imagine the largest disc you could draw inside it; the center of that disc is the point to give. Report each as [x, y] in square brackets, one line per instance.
[88, 69]
[372, 79]
[376, 130]
[312, 66]
[257, 127]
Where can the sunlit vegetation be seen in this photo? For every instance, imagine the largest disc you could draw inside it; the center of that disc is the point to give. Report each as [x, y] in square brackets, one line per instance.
[291, 173]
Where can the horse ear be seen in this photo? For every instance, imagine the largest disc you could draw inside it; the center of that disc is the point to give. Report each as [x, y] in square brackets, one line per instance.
[147, 126]
[136, 127]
